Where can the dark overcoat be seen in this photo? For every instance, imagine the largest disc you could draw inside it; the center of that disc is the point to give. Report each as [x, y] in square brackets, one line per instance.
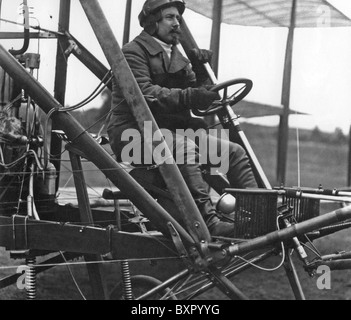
[161, 81]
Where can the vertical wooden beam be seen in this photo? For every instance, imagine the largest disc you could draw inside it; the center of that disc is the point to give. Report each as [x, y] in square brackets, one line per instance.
[216, 34]
[215, 45]
[86, 217]
[0, 10]
[283, 137]
[61, 60]
[349, 162]
[126, 32]
[60, 81]
[293, 278]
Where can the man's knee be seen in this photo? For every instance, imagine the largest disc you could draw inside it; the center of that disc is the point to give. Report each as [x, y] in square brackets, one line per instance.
[237, 150]
[185, 151]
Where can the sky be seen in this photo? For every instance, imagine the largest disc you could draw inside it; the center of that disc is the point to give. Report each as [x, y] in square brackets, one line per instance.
[321, 77]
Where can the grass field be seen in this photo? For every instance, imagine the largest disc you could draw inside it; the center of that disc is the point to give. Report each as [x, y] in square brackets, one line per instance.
[321, 163]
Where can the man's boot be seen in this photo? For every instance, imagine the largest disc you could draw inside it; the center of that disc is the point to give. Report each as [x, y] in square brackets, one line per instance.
[219, 228]
[200, 191]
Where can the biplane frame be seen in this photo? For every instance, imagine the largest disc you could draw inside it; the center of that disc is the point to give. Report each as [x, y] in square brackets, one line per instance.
[208, 261]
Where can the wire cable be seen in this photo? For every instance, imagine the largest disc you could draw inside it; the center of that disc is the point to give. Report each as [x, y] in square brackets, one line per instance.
[267, 269]
[97, 91]
[72, 276]
[32, 27]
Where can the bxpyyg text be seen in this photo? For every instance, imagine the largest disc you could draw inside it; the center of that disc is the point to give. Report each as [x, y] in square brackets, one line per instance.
[177, 309]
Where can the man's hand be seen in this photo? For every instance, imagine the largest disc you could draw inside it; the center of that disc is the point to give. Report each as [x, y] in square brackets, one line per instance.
[199, 98]
[200, 56]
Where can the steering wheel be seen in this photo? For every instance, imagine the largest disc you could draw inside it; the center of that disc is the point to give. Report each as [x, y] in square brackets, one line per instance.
[244, 86]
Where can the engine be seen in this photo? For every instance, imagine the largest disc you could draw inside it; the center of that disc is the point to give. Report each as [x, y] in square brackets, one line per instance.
[27, 178]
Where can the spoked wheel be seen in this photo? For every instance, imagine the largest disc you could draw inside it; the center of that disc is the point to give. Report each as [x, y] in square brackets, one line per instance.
[141, 284]
[233, 92]
[187, 284]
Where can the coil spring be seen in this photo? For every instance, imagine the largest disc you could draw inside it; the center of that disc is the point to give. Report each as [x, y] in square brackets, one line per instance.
[126, 280]
[31, 279]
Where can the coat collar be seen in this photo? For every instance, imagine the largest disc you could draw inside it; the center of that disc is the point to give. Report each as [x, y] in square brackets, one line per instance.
[149, 43]
[178, 61]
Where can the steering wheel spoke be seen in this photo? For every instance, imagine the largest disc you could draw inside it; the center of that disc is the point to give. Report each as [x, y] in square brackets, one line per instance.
[237, 96]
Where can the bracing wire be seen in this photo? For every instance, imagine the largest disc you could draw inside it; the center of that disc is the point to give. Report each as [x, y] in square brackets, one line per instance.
[72, 276]
[268, 269]
[92, 96]
[32, 27]
[91, 262]
[15, 162]
[11, 103]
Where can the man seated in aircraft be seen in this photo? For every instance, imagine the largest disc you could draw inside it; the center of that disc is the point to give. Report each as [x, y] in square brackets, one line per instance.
[172, 86]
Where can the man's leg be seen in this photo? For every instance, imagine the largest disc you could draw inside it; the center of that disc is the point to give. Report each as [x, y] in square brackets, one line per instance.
[235, 162]
[187, 157]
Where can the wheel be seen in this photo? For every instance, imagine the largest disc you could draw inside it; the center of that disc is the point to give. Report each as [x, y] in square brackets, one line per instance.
[240, 89]
[140, 284]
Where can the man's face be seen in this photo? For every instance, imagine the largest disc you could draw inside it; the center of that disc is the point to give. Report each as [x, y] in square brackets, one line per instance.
[169, 26]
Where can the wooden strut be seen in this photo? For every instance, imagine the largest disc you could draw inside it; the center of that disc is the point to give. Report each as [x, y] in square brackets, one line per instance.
[54, 144]
[293, 278]
[283, 138]
[341, 264]
[94, 269]
[88, 60]
[20, 233]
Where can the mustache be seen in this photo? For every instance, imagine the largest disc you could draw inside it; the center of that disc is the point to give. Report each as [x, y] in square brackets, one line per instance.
[176, 31]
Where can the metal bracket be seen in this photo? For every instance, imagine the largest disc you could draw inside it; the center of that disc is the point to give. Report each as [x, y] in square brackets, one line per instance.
[22, 226]
[285, 212]
[30, 60]
[193, 260]
[204, 249]
[177, 241]
[72, 47]
[139, 220]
